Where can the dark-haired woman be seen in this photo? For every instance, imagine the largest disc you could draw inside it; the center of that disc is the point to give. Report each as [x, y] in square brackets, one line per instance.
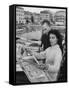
[53, 56]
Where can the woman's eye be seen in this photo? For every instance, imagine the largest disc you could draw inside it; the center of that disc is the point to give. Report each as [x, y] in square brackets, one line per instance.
[52, 37]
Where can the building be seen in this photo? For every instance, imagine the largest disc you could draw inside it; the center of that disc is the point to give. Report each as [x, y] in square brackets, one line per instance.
[36, 17]
[19, 15]
[46, 15]
[27, 16]
[60, 18]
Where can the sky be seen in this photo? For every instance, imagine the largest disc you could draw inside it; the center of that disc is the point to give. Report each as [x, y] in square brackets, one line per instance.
[37, 10]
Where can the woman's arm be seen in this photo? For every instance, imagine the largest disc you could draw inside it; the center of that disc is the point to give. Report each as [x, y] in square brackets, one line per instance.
[57, 62]
[41, 55]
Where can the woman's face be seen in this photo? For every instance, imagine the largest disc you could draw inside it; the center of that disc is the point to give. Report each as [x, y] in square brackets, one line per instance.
[53, 39]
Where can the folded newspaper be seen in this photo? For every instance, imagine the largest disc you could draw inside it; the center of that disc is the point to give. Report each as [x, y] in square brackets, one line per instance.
[33, 73]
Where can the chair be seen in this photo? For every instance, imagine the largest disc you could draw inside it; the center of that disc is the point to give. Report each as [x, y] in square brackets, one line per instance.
[62, 75]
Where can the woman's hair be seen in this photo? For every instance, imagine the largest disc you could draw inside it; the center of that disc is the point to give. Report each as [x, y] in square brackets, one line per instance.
[58, 35]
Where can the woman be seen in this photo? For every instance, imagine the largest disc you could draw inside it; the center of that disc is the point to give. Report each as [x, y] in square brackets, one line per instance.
[53, 56]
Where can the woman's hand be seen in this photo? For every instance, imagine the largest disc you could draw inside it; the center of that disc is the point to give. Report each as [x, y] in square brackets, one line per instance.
[43, 66]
